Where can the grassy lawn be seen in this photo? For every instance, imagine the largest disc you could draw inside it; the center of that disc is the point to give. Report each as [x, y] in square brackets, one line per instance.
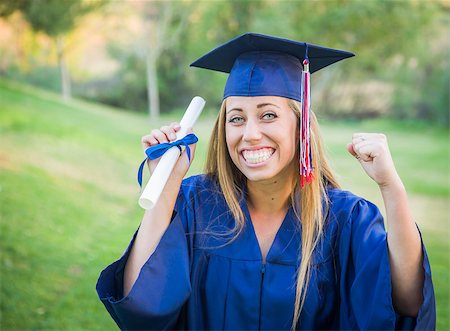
[68, 200]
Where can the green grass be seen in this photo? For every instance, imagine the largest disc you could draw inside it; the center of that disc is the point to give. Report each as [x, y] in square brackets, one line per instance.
[68, 200]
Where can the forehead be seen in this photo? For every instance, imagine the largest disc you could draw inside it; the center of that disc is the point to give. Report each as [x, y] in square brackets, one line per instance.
[253, 102]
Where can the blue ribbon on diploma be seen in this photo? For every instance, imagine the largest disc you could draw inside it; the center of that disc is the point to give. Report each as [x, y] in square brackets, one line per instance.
[157, 151]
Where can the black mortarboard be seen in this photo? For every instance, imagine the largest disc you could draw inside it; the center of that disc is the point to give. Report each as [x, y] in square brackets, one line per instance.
[261, 65]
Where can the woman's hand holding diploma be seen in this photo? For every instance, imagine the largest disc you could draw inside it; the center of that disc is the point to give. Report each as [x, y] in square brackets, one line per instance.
[167, 134]
[168, 137]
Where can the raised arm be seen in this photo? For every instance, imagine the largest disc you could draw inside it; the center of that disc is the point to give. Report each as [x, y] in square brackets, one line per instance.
[156, 220]
[404, 244]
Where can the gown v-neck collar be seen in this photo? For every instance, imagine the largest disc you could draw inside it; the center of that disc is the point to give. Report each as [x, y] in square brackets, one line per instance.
[285, 248]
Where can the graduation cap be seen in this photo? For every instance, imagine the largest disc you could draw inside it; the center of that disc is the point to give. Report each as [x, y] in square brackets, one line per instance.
[261, 65]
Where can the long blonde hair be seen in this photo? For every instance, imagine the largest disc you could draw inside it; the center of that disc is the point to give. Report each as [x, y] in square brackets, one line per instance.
[313, 196]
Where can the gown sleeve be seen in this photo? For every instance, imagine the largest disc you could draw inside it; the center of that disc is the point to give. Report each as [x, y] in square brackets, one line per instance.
[365, 279]
[163, 286]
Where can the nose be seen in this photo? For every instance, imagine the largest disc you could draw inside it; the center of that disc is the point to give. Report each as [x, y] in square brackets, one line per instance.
[252, 131]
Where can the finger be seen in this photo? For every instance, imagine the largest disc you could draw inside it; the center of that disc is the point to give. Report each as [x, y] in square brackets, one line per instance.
[373, 145]
[357, 146]
[176, 126]
[148, 141]
[360, 137]
[368, 152]
[374, 149]
[363, 136]
[169, 131]
[160, 136]
[366, 157]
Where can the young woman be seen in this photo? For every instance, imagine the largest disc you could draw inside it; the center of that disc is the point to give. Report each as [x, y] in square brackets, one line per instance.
[255, 243]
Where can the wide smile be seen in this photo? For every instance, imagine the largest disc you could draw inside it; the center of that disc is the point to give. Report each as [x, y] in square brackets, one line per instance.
[258, 156]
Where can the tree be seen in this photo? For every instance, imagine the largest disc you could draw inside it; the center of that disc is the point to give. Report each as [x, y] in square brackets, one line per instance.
[54, 18]
[163, 22]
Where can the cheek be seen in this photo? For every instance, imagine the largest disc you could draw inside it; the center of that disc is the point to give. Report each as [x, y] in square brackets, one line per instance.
[292, 141]
[231, 139]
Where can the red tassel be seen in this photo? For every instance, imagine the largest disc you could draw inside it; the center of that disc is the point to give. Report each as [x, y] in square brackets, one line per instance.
[306, 172]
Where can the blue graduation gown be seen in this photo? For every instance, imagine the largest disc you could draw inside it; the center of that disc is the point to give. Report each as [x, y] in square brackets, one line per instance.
[195, 280]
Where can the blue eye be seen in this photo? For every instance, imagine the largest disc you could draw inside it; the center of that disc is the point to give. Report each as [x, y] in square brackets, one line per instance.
[269, 116]
[236, 120]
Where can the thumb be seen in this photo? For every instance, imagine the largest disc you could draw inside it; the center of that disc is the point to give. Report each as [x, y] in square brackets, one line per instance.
[350, 149]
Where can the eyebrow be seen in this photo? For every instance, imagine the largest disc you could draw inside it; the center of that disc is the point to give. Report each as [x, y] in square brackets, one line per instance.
[261, 105]
[237, 109]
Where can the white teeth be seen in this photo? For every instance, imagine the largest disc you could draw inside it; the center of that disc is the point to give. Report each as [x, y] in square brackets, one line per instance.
[257, 156]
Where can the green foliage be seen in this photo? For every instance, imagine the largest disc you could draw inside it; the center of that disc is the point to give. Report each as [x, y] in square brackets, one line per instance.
[402, 48]
[379, 32]
[374, 30]
[53, 17]
[422, 80]
[7, 7]
[127, 89]
[395, 44]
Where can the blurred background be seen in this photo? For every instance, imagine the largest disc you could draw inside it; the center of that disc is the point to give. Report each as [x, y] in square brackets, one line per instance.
[82, 81]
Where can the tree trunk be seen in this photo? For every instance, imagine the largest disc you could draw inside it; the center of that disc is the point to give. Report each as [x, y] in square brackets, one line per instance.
[152, 85]
[158, 17]
[65, 79]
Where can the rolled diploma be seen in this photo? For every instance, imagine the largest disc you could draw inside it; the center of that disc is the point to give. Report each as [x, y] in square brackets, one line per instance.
[162, 172]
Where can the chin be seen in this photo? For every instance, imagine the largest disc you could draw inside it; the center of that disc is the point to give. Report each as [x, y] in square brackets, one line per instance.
[260, 176]
[268, 173]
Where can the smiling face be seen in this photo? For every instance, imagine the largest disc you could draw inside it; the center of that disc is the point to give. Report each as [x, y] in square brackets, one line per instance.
[260, 135]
